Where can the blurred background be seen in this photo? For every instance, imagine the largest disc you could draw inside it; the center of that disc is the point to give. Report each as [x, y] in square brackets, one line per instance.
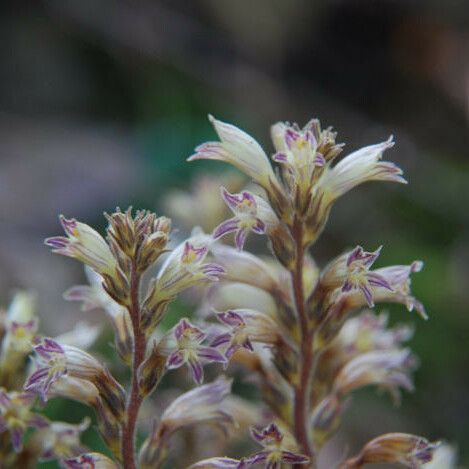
[102, 102]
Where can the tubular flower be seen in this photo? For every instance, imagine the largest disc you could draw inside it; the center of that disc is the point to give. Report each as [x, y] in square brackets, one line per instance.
[398, 277]
[352, 272]
[360, 166]
[90, 461]
[274, 452]
[201, 404]
[51, 364]
[56, 360]
[252, 213]
[246, 326]
[16, 416]
[190, 351]
[409, 450]
[84, 244]
[238, 338]
[184, 268]
[239, 149]
[388, 369]
[60, 440]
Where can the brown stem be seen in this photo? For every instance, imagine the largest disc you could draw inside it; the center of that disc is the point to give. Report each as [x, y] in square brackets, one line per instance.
[135, 399]
[302, 390]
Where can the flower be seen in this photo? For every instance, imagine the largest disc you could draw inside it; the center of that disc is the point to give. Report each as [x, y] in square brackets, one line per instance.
[398, 277]
[351, 271]
[297, 153]
[359, 276]
[51, 365]
[185, 268]
[84, 244]
[409, 450]
[235, 339]
[90, 461]
[16, 415]
[274, 449]
[389, 369]
[189, 350]
[54, 360]
[246, 326]
[239, 149]
[60, 440]
[202, 404]
[360, 166]
[246, 219]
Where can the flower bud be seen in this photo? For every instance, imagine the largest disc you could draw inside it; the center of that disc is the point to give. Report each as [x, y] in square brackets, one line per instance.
[151, 371]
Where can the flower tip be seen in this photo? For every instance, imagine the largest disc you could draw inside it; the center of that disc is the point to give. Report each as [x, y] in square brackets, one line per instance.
[416, 266]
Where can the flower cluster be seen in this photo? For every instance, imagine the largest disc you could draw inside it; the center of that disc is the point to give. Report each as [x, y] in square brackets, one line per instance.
[303, 335]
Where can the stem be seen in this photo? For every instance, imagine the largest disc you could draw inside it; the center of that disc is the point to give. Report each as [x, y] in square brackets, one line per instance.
[135, 399]
[302, 392]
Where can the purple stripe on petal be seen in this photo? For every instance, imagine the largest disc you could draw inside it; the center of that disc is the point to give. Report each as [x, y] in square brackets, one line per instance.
[367, 294]
[232, 200]
[175, 360]
[292, 458]
[211, 354]
[16, 439]
[378, 281]
[221, 340]
[259, 227]
[57, 242]
[228, 226]
[69, 225]
[197, 371]
[256, 458]
[319, 160]
[240, 239]
[280, 157]
[231, 318]
[230, 351]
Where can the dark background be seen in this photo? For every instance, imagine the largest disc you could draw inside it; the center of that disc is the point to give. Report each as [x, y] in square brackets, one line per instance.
[101, 102]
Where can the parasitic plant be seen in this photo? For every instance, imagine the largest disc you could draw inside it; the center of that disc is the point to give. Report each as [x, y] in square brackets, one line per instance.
[305, 336]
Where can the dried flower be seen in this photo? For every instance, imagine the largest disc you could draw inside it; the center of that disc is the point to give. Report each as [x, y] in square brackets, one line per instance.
[409, 450]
